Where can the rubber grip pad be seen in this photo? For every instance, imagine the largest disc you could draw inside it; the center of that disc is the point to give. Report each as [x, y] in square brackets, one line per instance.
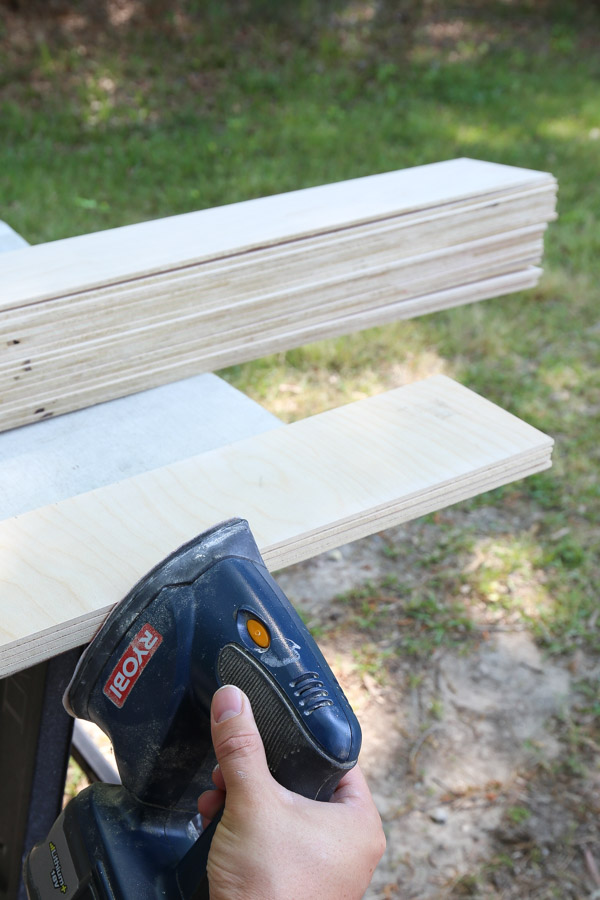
[293, 757]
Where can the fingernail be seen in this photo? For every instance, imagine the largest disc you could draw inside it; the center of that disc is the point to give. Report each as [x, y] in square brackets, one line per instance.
[226, 703]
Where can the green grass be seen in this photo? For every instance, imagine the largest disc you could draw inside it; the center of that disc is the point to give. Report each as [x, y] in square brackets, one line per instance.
[105, 125]
[422, 618]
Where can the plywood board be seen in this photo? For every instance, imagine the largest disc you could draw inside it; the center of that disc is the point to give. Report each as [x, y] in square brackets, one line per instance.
[150, 371]
[343, 253]
[89, 261]
[97, 317]
[230, 297]
[57, 351]
[311, 485]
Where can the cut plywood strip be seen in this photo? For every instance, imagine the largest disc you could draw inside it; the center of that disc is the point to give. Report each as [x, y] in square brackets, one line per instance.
[289, 554]
[381, 519]
[279, 312]
[75, 633]
[153, 373]
[329, 478]
[278, 556]
[90, 261]
[265, 271]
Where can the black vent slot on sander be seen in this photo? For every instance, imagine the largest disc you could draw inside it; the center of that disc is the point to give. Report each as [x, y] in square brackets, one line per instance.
[311, 692]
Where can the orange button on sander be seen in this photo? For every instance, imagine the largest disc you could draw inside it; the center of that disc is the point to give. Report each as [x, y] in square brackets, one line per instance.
[259, 633]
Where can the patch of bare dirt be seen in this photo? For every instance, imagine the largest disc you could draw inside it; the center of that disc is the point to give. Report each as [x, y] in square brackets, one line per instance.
[478, 762]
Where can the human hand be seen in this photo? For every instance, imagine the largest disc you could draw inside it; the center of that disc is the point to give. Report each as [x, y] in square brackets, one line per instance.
[273, 844]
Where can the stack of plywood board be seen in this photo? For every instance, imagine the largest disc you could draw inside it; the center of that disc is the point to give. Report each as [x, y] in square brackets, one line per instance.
[99, 316]
[304, 488]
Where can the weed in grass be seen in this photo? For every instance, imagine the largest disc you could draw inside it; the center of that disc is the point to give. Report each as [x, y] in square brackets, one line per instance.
[517, 814]
[392, 583]
[391, 552]
[369, 659]
[567, 553]
[572, 766]
[417, 622]
[436, 709]
[451, 545]
[369, 607]
[590, 703]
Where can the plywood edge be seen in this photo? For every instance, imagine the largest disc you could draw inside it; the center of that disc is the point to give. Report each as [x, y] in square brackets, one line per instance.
[90, 261]
[48, 403]
[19, 655]
[304, 487]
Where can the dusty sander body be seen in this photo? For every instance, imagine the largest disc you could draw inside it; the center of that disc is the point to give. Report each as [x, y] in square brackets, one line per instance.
[210, 614]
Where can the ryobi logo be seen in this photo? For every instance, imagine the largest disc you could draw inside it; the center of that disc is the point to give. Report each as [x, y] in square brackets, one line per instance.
[132, 664]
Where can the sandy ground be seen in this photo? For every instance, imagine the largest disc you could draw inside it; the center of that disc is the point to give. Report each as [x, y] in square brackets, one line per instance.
[465, 752]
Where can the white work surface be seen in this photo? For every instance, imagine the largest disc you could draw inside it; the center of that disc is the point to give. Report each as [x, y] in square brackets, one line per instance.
[9, 239]
[58, 458]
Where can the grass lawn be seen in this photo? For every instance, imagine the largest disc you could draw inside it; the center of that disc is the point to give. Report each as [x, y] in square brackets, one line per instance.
[112, 122]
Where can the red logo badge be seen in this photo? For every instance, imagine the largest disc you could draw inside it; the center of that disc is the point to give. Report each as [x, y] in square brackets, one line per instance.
[132, 664]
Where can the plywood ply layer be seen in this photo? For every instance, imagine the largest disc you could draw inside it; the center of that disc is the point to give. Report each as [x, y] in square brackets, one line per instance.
[99, 316]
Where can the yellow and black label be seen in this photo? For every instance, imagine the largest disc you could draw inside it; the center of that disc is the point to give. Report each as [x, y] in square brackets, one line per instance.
[58, 879]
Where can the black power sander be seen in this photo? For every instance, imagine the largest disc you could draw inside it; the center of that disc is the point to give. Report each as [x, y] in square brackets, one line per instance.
[208, 615]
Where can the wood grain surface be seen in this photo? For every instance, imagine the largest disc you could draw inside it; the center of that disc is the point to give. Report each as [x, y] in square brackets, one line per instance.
[304, 488]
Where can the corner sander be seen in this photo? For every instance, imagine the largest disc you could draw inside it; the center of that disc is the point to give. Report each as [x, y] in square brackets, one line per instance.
[208, 615]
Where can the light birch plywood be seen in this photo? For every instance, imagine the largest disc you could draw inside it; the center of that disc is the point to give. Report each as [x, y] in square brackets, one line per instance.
[47, 373]
[230, 298]
[65, 384]
[81, 630]
[98, 344]
[81, 338]
[89, 261]
[253, 321]
[305, 487]
[150, 373]
[265, 271]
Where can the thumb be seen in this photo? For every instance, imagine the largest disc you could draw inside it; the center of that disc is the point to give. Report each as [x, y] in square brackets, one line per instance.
[237, 742]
